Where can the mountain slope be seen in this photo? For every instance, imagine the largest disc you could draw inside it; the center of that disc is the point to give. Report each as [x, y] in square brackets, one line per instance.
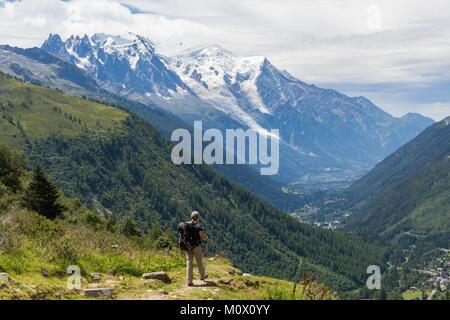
[39, 66]
[408, 193]
[430, 146]
[123, 167]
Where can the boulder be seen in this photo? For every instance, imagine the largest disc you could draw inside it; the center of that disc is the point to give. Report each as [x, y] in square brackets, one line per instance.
[225, 281]
[211, 283]
[44, 273]
[234, 271]
[98, 292]
[4, 277]
[96, 276]
[162, 276]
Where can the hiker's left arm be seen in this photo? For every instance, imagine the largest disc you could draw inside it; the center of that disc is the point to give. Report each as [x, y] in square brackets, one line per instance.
[203, 235]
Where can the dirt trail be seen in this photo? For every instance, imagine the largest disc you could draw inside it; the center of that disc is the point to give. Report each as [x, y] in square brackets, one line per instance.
[184, 292]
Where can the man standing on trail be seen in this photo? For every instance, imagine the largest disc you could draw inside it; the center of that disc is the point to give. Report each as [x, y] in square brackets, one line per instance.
[191, 234]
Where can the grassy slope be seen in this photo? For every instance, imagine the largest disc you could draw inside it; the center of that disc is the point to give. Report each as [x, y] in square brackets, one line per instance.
[43, 113]
[125, 167]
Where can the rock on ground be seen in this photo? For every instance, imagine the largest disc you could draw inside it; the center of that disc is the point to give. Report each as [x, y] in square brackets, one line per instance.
[234, 271]
[96, 276]
[44, 273]
[98, 293]
[162, 276]
[4, 276]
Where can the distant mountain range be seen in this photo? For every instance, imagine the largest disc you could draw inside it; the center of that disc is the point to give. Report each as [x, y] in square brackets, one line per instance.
[326, 136]
[321, 129]
[318, 123]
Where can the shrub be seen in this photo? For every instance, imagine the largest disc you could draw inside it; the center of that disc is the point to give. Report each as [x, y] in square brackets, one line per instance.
[130, 228]
[11, 168]
[92, 218]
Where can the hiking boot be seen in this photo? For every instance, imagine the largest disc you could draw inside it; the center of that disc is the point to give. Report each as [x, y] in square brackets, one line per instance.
[206, 277]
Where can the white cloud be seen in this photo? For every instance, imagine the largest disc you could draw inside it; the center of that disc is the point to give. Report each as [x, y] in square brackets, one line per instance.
[320, 41]
[28, 22]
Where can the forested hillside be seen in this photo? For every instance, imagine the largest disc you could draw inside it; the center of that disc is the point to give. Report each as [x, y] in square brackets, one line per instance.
[409, 191]
[405, 203]
[120, 166]
[432, 145]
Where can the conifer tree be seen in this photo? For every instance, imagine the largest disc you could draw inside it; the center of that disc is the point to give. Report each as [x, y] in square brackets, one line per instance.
[42, 196]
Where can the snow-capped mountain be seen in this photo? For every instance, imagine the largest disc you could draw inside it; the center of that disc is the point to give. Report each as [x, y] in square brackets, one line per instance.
[225, 81]
[316, 122]
[215, 74]
[324, 133]
[125, 65]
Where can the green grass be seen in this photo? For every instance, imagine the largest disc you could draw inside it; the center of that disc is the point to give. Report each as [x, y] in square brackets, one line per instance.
[38, 112]
[35, 243]
[412, 295]
[32, 244]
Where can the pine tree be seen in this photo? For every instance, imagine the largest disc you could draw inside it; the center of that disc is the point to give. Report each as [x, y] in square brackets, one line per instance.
[42, 195]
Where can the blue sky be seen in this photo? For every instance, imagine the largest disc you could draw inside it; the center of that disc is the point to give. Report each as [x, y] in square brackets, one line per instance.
[396, 53]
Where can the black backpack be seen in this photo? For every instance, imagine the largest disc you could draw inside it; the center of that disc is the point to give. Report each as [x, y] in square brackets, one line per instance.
[188, 237]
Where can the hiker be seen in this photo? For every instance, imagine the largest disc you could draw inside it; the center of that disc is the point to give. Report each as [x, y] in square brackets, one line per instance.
[191, 235]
